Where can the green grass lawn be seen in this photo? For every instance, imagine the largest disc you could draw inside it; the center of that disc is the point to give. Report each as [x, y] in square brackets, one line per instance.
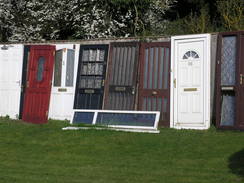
[44, 153]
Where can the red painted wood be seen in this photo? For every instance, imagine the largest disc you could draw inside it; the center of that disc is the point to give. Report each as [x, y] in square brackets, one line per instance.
[37, 94]
[154, 94]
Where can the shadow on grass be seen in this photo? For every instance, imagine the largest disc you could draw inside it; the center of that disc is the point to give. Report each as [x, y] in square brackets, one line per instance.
[236, 163]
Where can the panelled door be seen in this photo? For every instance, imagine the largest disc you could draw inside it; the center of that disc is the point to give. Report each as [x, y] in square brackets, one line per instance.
[90, 77]
[230, 81]
[191, 81]
[122, 76]
[11, 57]
[38, 83]
[63, 88]
[154, 85]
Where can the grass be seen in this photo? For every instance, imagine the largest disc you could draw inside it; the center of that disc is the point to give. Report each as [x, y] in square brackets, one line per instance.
[44, 153]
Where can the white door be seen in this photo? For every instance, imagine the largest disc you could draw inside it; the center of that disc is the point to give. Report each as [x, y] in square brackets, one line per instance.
[11, 60]
[190, 90]
[64, 79]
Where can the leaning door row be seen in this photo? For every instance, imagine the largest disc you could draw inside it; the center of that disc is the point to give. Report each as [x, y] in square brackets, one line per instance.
[131, 76]
[135, 77]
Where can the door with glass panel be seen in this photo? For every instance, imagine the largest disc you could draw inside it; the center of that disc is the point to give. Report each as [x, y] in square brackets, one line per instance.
[38, 83]
[154, 88]
[63, 90]
[230, 81]
[90, 77]
[121, 83]
[190, 84]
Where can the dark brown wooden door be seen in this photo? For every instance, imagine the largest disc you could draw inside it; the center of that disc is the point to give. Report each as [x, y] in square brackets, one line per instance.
[122, 76]
[154, 90]
[230, 81]
[38, 84]
[240, 96]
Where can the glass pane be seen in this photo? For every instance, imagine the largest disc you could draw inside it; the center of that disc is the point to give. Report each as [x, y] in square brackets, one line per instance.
[228, 65]
[98, 69]
[101, 55]
[93, 55]
[82, 83]
[70, 68]
[161, 68]
[145, 69]
[85, 55]
[84, 69]
[155, 86]
[98, 83]
[228, 111]
[83, 117]
[40, 68]
[126, 119]
[58, 68]
[90, 82]
[151, 68]
[166, 69]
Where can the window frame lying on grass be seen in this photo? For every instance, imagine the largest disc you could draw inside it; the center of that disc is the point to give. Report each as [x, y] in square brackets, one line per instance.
[156, 121]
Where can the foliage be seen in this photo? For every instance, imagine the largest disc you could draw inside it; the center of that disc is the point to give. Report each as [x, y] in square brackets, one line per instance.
[232, 14]
[23, 20]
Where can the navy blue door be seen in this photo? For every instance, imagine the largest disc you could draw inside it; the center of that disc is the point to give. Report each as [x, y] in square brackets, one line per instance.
[90, 77]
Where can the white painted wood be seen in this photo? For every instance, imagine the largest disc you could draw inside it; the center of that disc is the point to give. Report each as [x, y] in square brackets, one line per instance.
[61, 103]
[190, 83]
[11, 62]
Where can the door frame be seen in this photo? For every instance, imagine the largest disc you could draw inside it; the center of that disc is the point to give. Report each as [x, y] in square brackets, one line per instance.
[173, 76]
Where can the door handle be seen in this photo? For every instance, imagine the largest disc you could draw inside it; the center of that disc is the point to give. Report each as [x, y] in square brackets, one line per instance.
[175, 83]
[241, 79]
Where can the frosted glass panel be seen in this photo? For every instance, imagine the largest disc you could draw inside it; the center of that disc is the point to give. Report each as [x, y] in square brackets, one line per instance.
[228, 111]
[228, 65]
[85, 55]
[145, 69]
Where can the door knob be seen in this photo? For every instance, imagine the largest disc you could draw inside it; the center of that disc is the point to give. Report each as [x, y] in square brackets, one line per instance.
[154, 93]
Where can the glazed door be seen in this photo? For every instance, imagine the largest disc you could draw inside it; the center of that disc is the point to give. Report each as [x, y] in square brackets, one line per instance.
[230, 81]
[154, 88]
[90, 77]
[122, 75]
[38, 84]
[191, 81]
[63, 89]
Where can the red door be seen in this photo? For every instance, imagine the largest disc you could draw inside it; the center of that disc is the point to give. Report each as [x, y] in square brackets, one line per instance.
[154, 90]
[38, 84]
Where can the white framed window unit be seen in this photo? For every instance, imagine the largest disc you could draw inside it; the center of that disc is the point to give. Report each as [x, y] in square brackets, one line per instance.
[141, 120]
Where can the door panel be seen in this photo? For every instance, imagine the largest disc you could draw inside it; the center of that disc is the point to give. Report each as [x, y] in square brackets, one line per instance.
[154, 79]
[63, 89]
[90, 77]
[230, 81]
[10, 79]
[38, 84]
[190, 83]
[190, 88]
[122, 74]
